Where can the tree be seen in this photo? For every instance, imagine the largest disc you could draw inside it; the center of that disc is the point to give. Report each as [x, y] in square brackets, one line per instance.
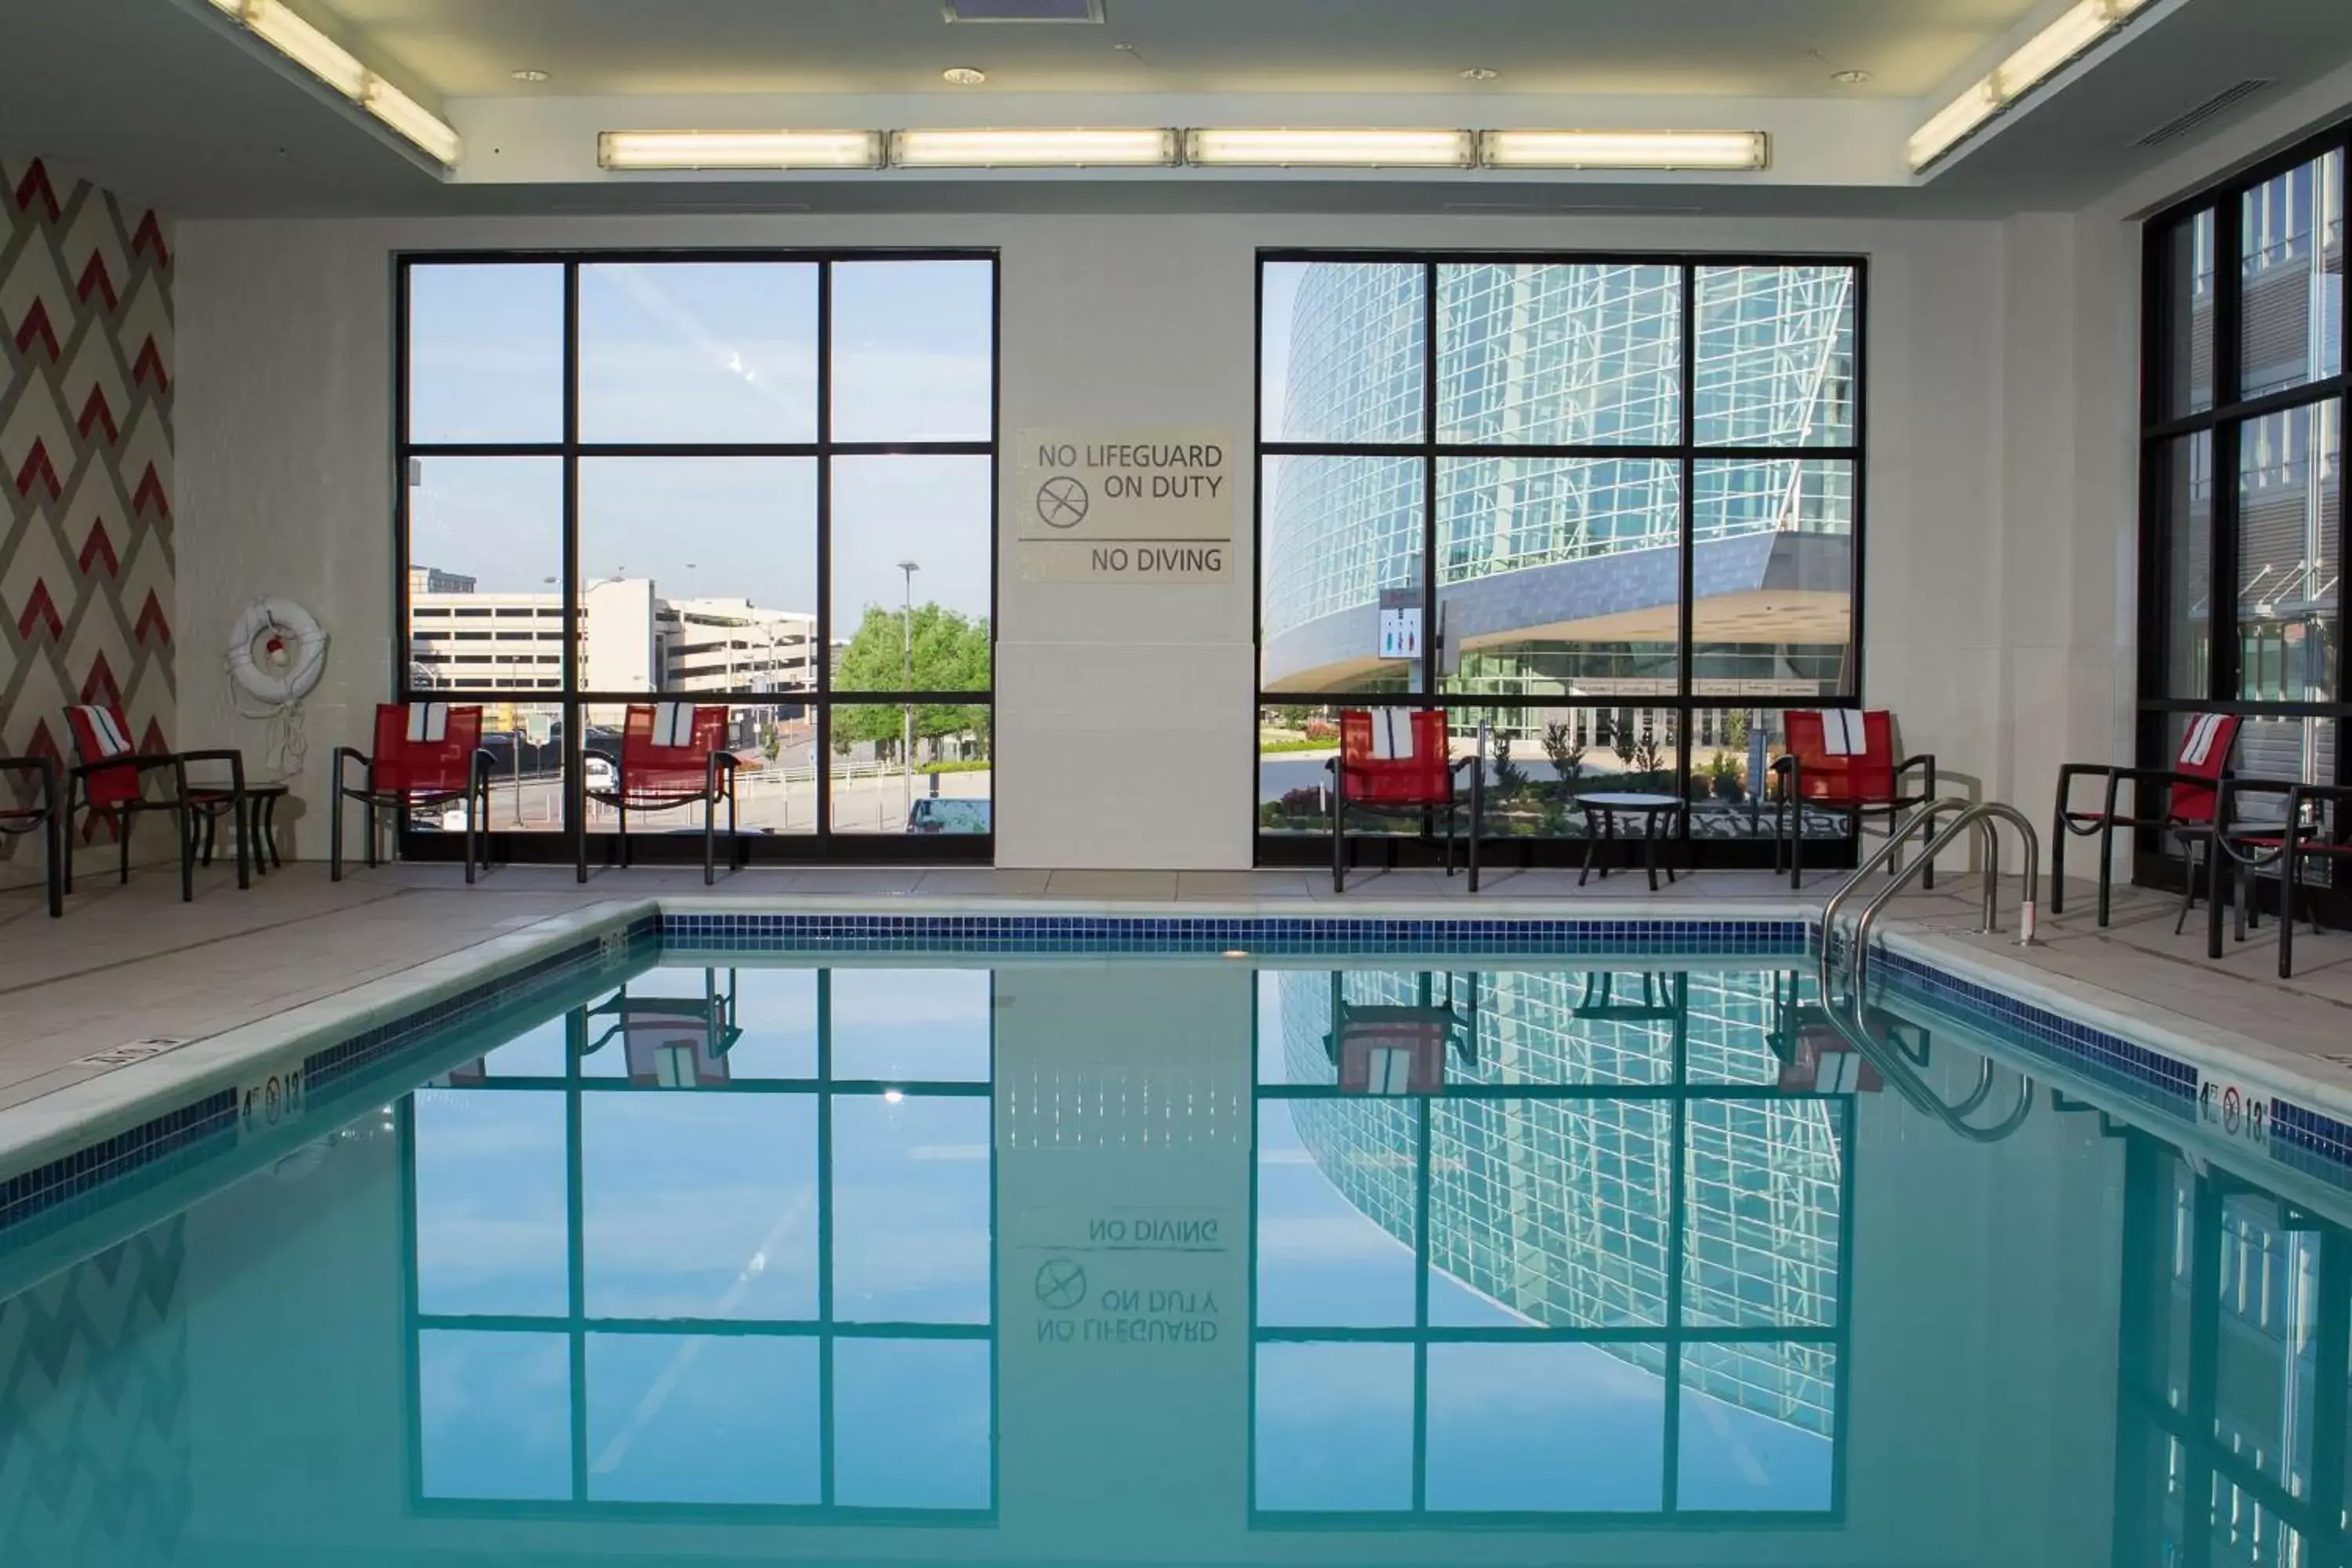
[1509, 777]
[1621, 738]
[950, 652]
[1567, 754]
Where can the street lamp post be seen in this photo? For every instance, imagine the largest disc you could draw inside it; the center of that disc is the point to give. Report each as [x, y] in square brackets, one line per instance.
[906, 683]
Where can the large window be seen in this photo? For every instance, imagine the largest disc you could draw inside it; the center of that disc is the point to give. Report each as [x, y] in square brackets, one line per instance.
[1608, 506]
[759, 480]
[2242, 468]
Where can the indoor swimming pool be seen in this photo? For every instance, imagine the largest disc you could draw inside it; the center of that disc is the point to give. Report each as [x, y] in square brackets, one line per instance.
[926, 1253]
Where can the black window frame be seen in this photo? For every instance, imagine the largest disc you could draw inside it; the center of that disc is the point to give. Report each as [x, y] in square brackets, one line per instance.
[575, 1324]
[1676, 1094]
[2223, 422]
[825, 842]
[1684, 705]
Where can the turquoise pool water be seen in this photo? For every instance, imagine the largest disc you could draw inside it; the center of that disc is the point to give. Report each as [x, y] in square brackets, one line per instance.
[1090, 1260]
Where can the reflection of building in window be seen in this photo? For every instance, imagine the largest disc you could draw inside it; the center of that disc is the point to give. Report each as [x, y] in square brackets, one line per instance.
[636, 640]
[1560, 1210]
[1561, 576]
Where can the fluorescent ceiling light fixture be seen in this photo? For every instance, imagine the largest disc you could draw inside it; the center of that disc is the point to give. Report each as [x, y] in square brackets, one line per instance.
[1035, 149]
[2033, 62]
[740, 149]
[1623, 149]
[411, 119]
[1958, 117]
[1333, 149]
[306, 47]
[2041, 56]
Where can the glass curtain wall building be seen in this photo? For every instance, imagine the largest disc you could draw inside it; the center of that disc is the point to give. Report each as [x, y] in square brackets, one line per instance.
[1633, 482]
[2244, 385]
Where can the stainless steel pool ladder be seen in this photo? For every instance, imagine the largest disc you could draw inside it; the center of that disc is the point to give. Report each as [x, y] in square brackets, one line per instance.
[1978, 815]
[1893, 1065]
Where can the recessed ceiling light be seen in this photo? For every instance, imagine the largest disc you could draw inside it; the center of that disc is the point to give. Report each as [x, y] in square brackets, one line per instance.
[1849, 78]
[1480, 73]
[964, 76]
[528, 74]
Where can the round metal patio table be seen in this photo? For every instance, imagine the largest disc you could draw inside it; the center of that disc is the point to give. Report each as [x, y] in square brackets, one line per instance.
[1601, 813]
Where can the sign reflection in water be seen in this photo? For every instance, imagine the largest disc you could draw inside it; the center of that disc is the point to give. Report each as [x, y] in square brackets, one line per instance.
[1521, 1246]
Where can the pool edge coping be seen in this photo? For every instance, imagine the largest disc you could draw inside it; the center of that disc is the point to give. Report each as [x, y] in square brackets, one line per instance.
[77, 1116]
[50, 1126]
[2218, 1055]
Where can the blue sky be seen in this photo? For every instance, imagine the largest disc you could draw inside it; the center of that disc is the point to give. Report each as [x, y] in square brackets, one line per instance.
[708, 353]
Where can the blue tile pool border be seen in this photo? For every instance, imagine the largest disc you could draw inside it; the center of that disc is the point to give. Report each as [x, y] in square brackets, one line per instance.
[214, 1114]
[1271, 936]
[2110, 1058]
[2290, 1132]
[2294, 1133]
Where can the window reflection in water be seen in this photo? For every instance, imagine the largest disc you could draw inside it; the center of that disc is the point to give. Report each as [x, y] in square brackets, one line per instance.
[1548, 1243]
[718, 1239]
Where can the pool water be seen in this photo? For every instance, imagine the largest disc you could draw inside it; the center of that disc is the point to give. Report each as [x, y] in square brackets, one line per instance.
[1088, 1260]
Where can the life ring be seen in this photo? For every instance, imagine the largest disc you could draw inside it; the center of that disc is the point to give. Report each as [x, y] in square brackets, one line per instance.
[276, 652]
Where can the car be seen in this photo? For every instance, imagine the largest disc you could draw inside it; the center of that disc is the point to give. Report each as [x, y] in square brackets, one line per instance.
[934, 815]
[600, 771]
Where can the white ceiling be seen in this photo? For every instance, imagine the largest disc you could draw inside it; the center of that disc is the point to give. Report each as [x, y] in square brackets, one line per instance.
[1730, 47]
[165, 101]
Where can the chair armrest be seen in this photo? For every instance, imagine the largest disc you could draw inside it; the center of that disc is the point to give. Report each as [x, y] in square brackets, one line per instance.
[2232, 787]
[2069, 771]
[1924, 759]
[351, 753]
[1458, 764]
[44, 768]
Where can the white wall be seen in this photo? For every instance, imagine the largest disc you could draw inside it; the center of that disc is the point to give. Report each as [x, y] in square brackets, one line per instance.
[1124, 712]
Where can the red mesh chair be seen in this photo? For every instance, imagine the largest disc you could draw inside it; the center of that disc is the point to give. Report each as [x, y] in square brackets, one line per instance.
[1387, 768]
[2185, 807]
[426, 754]
[42, 817]
[1842, 761]
[672, 755]
[110, 781]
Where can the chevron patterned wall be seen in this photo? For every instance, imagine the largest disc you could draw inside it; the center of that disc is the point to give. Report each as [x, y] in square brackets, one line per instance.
[94, 1447]
[86, 563]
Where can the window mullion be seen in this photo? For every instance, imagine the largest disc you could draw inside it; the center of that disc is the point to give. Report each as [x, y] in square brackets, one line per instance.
[575, 626]
[1431, 661]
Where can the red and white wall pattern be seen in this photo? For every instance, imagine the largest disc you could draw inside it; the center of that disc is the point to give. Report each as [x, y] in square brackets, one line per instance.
[86, 551]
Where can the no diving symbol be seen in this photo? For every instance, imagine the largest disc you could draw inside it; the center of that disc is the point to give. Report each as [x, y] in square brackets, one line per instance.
[1061, 502]
[1061, 1284]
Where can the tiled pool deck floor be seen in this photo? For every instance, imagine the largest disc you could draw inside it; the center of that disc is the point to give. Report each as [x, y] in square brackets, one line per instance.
[130, 962]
